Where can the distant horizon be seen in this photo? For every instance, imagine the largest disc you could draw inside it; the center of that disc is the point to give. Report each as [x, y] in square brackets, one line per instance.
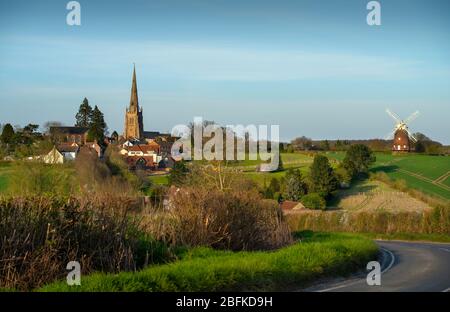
[313, 67]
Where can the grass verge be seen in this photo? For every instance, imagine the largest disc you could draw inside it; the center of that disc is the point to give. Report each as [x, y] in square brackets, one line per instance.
[314, 255]
[437, 238]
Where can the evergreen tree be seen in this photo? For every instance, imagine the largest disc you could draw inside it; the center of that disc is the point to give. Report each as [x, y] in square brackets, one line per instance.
[358, 159]
[295, 186]
[97, 127]
[322, 177]
[7, 136]
[178, 173]
[84, 115]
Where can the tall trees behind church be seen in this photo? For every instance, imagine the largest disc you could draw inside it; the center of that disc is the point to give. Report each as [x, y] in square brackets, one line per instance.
[92, 119]
[98, 126]
[84, 115]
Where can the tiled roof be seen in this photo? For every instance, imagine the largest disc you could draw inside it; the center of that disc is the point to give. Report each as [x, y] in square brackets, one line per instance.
[68, 130]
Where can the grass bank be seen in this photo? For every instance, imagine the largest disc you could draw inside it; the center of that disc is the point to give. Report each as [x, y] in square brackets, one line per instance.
[438, 238]
[313, 255]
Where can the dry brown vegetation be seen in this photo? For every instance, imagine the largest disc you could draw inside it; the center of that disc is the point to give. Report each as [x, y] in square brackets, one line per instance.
[376, 196]
[435, 221]
[220, 209]
[100, 224]
[40, 235]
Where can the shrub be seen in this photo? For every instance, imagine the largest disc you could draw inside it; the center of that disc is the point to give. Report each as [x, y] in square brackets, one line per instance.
[295, 187]
[32, 178]
[358, 159]
[314, 201]
[236, 220]
[40, 235]
[322, 177]
[219, 208]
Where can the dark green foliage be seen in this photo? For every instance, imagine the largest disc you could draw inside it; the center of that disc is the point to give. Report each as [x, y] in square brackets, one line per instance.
[314, 201]
[273, 188]
[325, 145]
[358, 159]
[84, 115]
[7, 136]
[323, 180]
[420, 147]
[295, 187]
[178, 173]
[98, 127]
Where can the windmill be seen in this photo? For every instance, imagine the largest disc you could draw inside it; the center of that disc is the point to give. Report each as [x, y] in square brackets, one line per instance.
[401, 133]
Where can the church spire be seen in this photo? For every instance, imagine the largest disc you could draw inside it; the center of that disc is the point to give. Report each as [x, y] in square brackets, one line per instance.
[134, 104]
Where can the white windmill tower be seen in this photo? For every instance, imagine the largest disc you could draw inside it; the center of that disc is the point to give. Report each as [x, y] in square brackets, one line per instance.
[402, 135]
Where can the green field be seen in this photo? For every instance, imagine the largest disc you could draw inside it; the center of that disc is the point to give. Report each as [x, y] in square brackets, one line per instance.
[159, 179]
[429, 174]
[4, 172]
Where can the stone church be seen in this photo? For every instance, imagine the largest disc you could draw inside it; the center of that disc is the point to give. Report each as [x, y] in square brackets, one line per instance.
[134, 122]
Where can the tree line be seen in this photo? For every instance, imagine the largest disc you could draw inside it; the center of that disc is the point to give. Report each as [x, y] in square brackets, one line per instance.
[18, 142]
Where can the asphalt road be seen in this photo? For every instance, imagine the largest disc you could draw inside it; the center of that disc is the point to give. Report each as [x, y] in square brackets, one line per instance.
[406, 267]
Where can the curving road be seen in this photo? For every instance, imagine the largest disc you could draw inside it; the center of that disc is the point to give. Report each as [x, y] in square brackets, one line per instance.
[406, 267]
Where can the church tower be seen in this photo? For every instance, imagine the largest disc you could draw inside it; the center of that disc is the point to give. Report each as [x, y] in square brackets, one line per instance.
[134, 123]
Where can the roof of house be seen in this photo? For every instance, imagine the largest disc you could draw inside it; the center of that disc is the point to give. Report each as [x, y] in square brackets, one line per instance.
[67, 148]
[155, 134]
[69, 130]
[132, 160]
[151, 134]
[291, 205]
[144, 148]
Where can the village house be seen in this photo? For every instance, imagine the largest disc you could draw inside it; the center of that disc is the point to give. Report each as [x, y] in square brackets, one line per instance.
[66, 152]
[70, 134]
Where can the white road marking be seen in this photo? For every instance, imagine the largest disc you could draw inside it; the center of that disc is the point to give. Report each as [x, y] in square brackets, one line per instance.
[354, 282]
[446, 290]
[445, 249]
[392, 260]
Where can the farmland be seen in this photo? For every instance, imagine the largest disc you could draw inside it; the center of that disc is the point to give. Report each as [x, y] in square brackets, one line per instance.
[376, 196]
[428, 174]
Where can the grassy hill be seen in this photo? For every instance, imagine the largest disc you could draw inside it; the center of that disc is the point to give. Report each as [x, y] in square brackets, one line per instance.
[429, 174]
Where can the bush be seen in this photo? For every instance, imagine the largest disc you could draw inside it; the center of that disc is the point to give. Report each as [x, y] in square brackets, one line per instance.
[314, 201]
[294, 187]
[217, 207]
[32, 178]
[322, 177]
[39, 236]
[357, 160]
[236, 220]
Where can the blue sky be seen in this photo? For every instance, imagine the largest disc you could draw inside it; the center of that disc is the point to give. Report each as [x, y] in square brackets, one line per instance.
[313, 67]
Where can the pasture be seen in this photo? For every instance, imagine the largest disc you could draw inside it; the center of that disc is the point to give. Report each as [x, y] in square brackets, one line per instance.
[426, 173]
[429, 174]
